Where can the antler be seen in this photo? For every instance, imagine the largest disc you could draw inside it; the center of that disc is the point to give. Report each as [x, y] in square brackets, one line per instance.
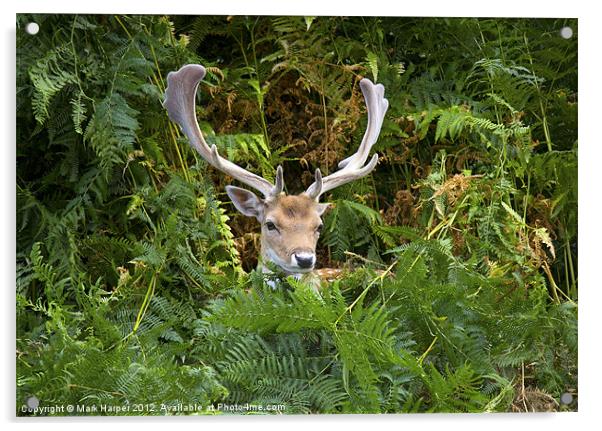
[352, 168]
[180, 104]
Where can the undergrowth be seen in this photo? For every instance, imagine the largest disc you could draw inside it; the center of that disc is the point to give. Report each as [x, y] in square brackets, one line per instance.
[135, 283]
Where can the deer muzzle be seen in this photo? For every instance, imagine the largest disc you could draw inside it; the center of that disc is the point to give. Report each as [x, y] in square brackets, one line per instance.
[303, 259]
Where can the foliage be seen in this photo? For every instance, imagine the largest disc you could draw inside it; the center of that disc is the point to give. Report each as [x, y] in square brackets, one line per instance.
[135, 281]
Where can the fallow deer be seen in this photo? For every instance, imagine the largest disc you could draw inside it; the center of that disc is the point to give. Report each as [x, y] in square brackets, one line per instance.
[290, 225]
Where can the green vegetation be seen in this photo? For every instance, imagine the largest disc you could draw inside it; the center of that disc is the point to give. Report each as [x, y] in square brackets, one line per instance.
[135, 282]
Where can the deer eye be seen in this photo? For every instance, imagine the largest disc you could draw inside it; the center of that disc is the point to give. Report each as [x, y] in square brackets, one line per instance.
[271, 226]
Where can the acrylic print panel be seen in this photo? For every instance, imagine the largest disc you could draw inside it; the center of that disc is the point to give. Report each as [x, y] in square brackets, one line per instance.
[441, 279]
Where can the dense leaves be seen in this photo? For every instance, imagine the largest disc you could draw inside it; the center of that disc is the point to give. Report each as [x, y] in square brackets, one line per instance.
[135, 282]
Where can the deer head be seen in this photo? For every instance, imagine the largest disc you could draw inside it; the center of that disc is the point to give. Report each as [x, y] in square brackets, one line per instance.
[290, 225]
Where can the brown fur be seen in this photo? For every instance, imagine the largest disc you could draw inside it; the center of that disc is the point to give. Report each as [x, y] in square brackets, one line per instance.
[292, 207]
[297, 218]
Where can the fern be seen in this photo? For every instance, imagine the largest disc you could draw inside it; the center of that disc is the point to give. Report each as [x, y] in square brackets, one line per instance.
[451, 122]
[79, 112]
[350, 225]
[112, 130]
[360, 337]
[48, 77]
[129, 265]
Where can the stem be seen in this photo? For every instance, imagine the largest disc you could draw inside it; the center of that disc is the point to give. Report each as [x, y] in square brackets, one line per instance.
[573, 285]
[325, 114]
[160, 83]
[555, 288]
[147, 298]
[174, 133]
[544, 118]
[74, 386]
[526, 199]
[259, 93]
[426, 352]
[361, 295]
[566, 269]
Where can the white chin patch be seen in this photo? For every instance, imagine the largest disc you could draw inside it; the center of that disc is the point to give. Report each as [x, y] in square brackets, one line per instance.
[279, 262]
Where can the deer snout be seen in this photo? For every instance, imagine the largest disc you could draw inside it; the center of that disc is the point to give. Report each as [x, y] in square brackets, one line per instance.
[304, 259]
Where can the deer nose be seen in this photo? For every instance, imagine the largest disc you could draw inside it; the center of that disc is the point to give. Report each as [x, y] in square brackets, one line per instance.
[305, 260]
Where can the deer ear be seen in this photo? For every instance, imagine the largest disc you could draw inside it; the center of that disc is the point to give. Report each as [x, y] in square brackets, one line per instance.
[246, 202]
[321, 208]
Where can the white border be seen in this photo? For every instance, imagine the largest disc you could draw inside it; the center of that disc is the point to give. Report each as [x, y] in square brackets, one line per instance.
[589, 182]
[509, 8]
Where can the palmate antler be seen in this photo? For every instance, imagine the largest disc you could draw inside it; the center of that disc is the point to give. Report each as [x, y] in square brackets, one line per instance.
[180, 104]
[352, 168]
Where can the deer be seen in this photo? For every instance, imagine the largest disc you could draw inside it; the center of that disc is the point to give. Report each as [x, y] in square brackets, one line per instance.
[290, 224]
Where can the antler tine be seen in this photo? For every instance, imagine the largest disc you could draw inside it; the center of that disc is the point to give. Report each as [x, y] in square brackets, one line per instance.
[352, 168]
[314, 190]
[279, 182]
[180, 104]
